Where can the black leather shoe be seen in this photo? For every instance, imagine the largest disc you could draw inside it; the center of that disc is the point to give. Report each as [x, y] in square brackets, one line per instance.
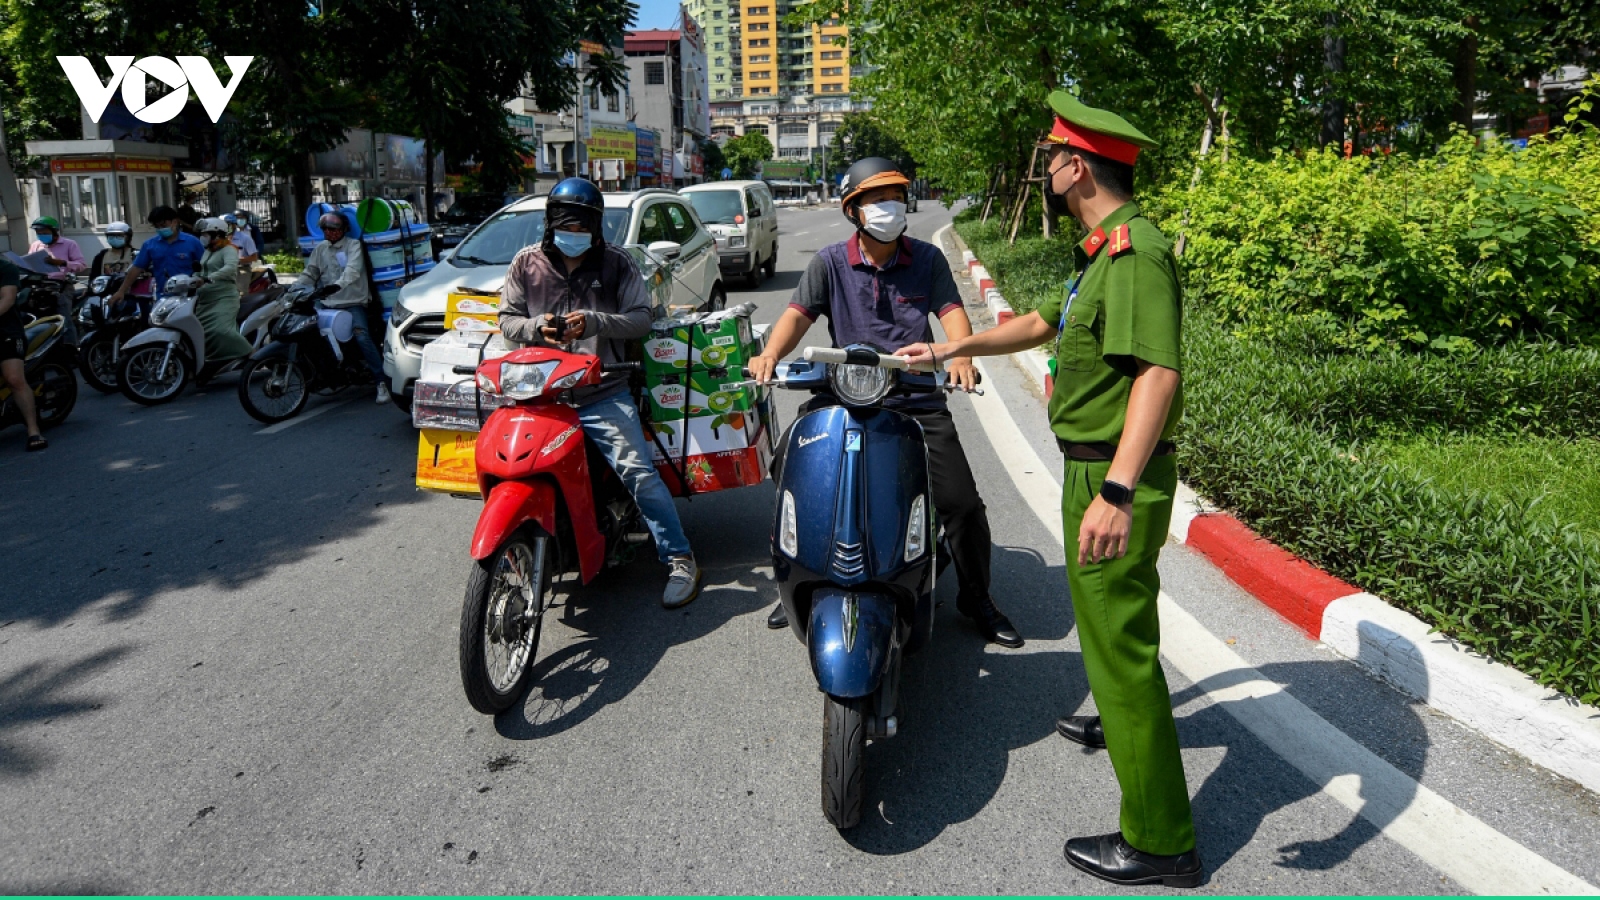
[1110, 858]
[778, 619]
[991, 622]
[1083, 730]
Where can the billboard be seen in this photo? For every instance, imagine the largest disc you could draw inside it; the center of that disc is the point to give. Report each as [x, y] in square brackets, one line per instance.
[644, 140]
[609, 142]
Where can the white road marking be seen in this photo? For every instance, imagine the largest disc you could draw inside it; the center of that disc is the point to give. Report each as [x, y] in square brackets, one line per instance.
[1438, 832]
[274, 429]
[801, 233]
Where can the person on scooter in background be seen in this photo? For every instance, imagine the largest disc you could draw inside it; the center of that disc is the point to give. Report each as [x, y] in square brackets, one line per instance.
[340, 259]
[171, 252]
[115, 259]
[596, 294]
[14, 352]
[879, 287]
[216, 304]
[247, 247]
[66, 257]
[247, 222]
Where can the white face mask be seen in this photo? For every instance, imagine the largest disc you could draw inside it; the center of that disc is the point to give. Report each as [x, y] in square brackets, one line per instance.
[885, 221]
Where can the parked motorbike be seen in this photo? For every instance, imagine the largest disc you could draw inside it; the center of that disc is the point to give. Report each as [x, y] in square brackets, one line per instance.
[49, 366]
[552, 506]
[311, 351]
[855, 550]
[103, 331]
[157, 363]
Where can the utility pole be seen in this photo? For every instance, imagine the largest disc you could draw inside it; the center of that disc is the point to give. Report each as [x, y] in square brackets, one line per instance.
[10, 197]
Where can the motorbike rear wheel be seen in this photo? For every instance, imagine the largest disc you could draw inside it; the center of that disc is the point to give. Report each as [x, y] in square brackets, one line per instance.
[55, 392]
[272, 390]
[502, 617]
[844, 744]
[98, 362]
[144, 381]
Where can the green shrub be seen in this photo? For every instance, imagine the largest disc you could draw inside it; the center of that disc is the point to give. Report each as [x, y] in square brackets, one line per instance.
[1031, 269]
[1470, 245]
[286, 263]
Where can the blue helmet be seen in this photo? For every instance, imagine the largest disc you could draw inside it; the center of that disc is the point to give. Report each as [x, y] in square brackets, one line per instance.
[575, 200]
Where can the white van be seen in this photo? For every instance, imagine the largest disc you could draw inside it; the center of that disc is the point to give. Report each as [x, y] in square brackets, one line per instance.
[741, 216]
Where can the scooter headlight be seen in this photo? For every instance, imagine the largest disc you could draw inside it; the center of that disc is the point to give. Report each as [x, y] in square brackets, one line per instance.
[917, 529]
[788, 531]
[163, 309]
[860, 385]
[524, 381]
[99, 284]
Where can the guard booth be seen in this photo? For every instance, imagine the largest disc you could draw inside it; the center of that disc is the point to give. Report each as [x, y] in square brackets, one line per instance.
[93, 183]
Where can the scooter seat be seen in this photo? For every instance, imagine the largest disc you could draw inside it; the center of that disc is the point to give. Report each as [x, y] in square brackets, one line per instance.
[249, 303]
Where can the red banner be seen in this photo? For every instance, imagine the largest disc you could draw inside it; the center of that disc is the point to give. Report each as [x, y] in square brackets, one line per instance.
[89, 164]
[144, 165]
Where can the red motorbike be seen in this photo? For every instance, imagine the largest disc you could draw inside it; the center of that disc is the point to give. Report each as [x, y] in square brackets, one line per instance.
[552, 505]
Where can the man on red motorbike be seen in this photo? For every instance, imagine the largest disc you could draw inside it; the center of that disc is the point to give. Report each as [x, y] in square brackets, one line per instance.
[574, 291]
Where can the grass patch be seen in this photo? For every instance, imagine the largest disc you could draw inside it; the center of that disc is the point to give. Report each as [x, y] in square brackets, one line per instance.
[1031, 270]
[1562, 476]
[285, 263]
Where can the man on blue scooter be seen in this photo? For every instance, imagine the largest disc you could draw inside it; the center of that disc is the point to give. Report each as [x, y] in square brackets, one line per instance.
[879, 286]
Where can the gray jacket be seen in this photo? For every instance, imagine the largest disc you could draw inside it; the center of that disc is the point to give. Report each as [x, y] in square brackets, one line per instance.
[607, 288]
[344, 264]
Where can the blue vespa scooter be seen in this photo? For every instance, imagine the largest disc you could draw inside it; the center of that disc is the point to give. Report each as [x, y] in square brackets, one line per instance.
[854, 550]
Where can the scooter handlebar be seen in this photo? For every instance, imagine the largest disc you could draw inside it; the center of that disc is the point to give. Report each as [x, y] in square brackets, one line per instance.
[854, 357]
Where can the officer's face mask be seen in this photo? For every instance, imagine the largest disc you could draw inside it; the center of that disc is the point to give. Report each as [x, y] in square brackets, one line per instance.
[45, 237]
[165, 232]
[573, 243]
[1058, 202]
[885, 220]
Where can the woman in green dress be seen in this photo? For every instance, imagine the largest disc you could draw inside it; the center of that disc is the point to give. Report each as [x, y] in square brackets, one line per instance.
[217, 302]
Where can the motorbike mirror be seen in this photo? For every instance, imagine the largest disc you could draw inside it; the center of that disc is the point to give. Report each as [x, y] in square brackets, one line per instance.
[665, 250]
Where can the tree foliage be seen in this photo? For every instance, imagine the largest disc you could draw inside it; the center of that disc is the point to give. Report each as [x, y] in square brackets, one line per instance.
[747, 152]
[860, 136]
[711, 155]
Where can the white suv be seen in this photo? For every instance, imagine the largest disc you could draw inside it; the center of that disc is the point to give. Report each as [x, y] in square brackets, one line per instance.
[675, 253]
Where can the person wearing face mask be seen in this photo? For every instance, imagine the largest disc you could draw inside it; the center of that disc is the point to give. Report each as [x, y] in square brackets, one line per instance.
[879, 287]
[115, 259]
[594, 290]
[61, 252]
[341, 259]
[216, 304]
[172, 251]
[1117, 401]
[247, 222]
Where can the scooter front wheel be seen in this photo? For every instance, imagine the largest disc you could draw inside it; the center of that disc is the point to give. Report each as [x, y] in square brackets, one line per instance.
[153, 374]
[844, 745]
[272, 390]
[502, 618]
[97, 360]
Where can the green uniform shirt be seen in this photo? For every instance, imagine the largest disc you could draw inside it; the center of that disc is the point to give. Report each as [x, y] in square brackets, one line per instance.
[1129, 306]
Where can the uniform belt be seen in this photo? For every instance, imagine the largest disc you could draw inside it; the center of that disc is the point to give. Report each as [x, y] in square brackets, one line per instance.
[1101, 451]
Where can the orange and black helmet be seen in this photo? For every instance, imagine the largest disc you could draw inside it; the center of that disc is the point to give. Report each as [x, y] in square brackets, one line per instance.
[866, 174]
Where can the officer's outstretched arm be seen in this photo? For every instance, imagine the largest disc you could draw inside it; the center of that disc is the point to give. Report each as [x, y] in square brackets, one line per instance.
[1021, 333]
[785, 336]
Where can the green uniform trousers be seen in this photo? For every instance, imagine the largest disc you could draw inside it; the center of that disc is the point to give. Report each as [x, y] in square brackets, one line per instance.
[1114, 603]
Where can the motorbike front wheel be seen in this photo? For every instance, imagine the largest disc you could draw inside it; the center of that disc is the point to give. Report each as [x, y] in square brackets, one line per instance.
[844, 745]
[272, 390]
[146, 380]
[502, 617]
[97, 360]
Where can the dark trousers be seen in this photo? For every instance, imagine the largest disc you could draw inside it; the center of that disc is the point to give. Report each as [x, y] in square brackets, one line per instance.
[962, 515]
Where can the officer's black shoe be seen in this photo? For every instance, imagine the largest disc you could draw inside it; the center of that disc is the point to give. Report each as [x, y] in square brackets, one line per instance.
[779, 618]
[1110, 858]
[1083, 730]
[990, 621]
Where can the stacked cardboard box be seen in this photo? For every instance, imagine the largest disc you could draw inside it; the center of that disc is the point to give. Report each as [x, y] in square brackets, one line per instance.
[711, 429]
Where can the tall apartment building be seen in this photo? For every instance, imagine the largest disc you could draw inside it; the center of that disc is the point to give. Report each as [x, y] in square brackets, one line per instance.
[791, 83]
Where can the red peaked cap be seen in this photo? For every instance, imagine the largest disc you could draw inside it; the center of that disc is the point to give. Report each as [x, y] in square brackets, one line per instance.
[1098, 142]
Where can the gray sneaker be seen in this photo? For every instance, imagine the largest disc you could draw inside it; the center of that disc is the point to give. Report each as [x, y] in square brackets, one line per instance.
[383, 393]
[683, 583]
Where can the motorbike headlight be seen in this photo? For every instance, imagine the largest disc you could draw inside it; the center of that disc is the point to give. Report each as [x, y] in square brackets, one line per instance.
[524, 381]
[735, 241]
[860, 385]
[917, 529]
[162, 310]
[567, 381]
[788, 531]
[100, 283]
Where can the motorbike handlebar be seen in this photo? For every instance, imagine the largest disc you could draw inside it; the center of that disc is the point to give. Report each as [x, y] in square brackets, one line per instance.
[464, 370]
[854, 357]
[622, 367]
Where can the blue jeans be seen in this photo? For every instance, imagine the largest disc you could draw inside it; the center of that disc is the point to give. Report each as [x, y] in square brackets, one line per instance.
[613, 424]
[369, 350]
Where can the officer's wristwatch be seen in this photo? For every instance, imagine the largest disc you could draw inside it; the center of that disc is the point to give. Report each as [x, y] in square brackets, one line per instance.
[1116, 494]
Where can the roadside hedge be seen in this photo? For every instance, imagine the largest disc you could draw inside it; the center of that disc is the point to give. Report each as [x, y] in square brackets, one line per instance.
[1474, 245]
[1273, 430]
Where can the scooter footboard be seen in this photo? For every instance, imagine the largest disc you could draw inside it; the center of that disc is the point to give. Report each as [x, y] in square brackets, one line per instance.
[850, 637]
[510, 505]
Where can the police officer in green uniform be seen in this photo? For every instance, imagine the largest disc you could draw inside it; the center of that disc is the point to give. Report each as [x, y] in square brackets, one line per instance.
[1117, 399]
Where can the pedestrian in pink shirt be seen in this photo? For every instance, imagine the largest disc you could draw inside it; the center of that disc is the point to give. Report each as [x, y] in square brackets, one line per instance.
[64, 253]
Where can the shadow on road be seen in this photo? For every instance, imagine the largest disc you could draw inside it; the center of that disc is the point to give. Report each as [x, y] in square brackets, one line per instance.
[38, 694]
[130, 502]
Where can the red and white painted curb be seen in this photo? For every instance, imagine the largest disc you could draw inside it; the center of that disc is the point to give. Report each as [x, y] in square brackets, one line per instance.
[1505, 705]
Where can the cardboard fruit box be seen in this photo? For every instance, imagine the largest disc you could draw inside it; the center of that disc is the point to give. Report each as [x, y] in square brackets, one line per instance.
[446, 461]
[718, 340]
